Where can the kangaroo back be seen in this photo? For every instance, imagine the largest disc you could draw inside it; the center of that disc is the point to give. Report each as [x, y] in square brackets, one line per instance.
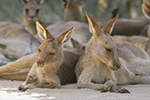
[141, 41]
[81, 32]
[15, 41]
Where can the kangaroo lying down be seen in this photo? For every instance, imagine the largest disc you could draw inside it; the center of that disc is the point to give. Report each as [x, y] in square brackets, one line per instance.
[51, 67]
[106, 64]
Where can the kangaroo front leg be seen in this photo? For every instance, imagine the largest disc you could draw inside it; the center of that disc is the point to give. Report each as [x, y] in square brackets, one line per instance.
[110, 86]
[107, 86]
[52, 81]
[103, 87]
[50, 85]
[30, 80]
[84, 81]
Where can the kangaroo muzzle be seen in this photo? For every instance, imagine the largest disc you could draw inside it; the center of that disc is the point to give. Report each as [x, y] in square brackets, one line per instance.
[40, 63]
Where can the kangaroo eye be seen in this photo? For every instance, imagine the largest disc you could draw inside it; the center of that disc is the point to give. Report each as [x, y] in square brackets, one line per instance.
[26, 10]
[37, 11]
[51, 53]
[107, 49]
[39, 50]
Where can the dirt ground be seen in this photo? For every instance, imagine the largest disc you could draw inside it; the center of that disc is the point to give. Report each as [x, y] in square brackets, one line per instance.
[9, 91]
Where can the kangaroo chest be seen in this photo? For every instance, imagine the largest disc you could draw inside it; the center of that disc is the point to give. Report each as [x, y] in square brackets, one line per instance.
[101, 74]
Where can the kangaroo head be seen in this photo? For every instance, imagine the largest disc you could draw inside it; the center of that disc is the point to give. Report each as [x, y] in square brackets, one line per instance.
[102, 45]
[73, 11]
[31, 10]
[146, 8]
[51, 49]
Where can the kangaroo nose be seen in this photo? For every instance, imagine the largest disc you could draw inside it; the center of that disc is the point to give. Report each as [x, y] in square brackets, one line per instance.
[39, 63]
[118, 66]
[31, 16]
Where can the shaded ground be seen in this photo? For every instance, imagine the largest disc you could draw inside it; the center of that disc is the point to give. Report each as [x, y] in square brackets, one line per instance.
[9, 91]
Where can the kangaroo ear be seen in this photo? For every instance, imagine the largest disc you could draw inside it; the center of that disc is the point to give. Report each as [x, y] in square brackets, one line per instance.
[66, 3]
[81, 2]
[109, 26]
[42, 32]
[77, 45]
[146, 8]
[64, 37]
[93, 27]
[25, 1]
[40, 1]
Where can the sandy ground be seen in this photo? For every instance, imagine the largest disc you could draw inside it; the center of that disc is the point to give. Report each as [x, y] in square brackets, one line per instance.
[9, 91]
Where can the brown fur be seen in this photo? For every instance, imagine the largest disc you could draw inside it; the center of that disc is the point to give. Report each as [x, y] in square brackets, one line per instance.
[105, 64]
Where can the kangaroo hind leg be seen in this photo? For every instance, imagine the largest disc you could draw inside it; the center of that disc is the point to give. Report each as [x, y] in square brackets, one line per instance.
[140, 80]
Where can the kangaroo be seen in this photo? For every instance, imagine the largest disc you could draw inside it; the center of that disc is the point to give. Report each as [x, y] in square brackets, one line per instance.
[105, 64]
[16, 41]
[73, 11]
[31, 13]
[51, 67]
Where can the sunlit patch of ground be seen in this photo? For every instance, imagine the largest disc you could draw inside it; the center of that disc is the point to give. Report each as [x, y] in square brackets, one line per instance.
[9, 91]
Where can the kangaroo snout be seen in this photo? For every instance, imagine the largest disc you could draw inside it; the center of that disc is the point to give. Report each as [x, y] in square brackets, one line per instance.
[39, 63]
[118, 66]
[115, 66]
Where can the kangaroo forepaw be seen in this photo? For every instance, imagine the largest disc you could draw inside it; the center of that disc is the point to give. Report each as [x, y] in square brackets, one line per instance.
[54, 85]
[119, 89]
[105, 88]
[123, 90]
[22, 88]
